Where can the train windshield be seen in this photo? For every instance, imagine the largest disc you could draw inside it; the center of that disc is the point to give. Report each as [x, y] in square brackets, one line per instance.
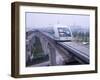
[64, 32]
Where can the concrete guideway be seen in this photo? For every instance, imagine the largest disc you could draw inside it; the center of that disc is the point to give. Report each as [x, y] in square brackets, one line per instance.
[77, 49]
[66, 49]
[81, 51]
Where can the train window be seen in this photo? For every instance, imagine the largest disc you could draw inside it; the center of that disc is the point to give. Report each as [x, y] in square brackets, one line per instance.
[64, 32]
[60, 29]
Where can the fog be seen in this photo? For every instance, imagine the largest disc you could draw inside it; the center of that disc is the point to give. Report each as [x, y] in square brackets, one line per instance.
[39, 20]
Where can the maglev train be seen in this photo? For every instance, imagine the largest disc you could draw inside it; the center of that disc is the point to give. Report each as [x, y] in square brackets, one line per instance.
[62, 33]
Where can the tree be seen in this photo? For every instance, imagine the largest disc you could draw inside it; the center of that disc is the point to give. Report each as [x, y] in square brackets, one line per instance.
[37, 48]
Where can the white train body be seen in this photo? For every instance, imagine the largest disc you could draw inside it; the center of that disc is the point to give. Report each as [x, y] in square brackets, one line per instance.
[62, 33]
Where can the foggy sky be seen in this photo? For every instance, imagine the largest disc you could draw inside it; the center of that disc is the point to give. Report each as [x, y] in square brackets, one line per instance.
[44, 19]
